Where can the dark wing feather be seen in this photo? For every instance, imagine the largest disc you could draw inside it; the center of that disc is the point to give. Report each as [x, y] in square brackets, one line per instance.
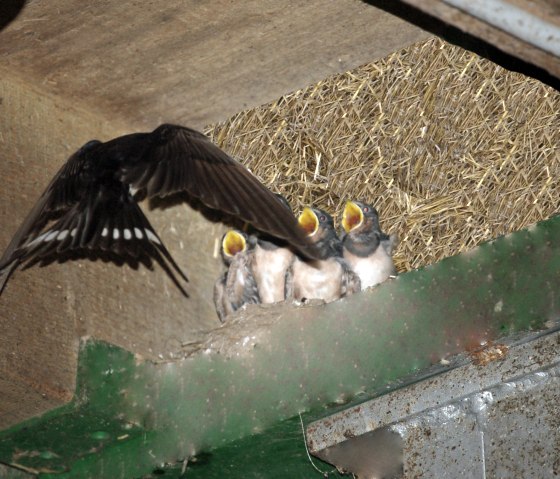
[61, 194]
[223, 307]
[177, 159]
[106, 219]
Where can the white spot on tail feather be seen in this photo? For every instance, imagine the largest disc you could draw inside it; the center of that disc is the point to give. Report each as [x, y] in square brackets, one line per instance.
[152, 237]
[116, 233]
[62, 235]
[51, 235]
[138, 233]
[127, 234]
[38, 239]
[105, 232]
[73, 232]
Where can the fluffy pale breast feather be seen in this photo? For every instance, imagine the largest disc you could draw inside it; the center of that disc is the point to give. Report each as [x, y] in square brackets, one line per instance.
[270, 268]
[373, 269]
[317, 280]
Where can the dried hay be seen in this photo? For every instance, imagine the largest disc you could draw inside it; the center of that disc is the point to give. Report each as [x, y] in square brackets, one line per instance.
[451, 149]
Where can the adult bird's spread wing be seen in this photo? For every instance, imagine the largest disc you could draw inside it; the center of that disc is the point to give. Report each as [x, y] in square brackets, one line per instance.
[176, 159]
[89, 205]
[85, 209]
[61, 193]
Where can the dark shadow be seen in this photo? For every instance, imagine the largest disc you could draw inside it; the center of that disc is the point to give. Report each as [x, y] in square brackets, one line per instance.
[119, 259]
[467, 41]
[201, 459]
[104, 256]
[9, 10]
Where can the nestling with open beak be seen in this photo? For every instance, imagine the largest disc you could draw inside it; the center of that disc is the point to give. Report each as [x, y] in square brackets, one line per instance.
[329, 278]
[366, 249]
[273, 257]
[237, 286]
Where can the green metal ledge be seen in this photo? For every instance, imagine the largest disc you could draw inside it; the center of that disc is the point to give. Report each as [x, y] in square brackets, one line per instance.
[230, 404]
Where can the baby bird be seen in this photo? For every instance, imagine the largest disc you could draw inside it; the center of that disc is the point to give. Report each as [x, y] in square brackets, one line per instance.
[273, 257]
[237, 286]
[366, 249]
[329, 278]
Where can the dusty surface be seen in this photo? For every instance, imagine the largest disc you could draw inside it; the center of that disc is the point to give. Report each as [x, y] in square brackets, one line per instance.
[192, 62]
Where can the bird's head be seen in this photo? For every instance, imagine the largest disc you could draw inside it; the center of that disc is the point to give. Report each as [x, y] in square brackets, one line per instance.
[317, 224]
[360, 218]
[233, 243]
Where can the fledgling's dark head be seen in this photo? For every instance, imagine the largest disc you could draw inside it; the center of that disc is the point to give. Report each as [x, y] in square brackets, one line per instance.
[319, 226]
[360, 219]
[235, 242]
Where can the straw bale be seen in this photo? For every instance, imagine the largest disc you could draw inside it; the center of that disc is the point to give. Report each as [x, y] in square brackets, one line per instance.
[451, 149]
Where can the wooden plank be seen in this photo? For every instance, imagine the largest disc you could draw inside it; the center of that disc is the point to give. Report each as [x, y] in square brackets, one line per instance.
[192, 62]
[499, 38]
[548, 10]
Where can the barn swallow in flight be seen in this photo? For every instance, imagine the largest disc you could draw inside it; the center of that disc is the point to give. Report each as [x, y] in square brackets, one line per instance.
[367, 250]
[329, 278]
[91, 203]
[272, 259]
[237, 286]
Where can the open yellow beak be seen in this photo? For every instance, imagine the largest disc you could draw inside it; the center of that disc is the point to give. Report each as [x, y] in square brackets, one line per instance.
[308, 221]
[233, 243]
[352, 217]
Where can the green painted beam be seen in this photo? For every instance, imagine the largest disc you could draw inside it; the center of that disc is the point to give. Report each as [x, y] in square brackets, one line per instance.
[279, 452]
[130, 417]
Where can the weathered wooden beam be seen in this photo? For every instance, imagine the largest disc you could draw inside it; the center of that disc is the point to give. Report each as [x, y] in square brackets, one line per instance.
[192, 62]
[496, 33]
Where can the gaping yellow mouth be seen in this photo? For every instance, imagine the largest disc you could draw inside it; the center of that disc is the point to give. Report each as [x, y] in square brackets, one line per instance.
[308, 221]
[352, 217]
[233, 243]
